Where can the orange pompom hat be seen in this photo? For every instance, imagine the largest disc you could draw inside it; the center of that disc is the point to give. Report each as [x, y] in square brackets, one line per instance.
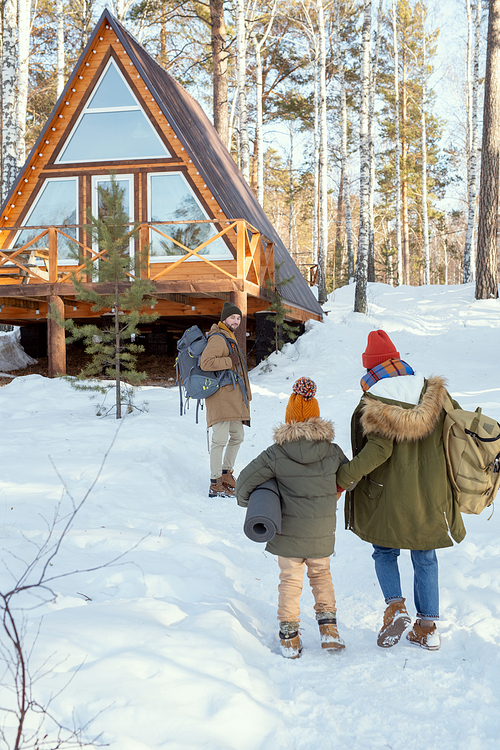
[302, 405]
[378, 349]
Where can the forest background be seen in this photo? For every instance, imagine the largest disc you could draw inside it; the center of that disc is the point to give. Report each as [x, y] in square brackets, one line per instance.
[357, 124]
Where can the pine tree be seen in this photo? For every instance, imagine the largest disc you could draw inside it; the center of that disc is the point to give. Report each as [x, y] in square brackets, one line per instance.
[122, 290]
[283, 331]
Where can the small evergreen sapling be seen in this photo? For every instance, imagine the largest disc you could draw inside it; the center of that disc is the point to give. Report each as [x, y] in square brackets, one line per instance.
[283, 332]
[125, 294]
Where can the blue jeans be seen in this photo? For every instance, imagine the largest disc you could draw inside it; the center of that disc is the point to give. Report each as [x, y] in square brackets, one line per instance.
[425, 578]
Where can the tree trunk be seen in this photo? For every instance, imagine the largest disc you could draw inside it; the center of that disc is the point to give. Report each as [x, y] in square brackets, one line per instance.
[404, 181]
[364, 178]
[242, 99]
[425, 215]
[473, 41]
[344, 153]
[397, 147]
[220, 81]
[487, 271]
[371, 139]
[291, 189]
[24, 16]
[9, 96]
[316, 159]
[60, 48]
[323, 239]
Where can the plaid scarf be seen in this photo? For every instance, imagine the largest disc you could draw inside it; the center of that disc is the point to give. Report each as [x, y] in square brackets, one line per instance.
[391, 368]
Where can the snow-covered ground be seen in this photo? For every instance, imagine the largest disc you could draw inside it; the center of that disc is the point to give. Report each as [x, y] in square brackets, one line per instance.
[12, 355]
[175, 644]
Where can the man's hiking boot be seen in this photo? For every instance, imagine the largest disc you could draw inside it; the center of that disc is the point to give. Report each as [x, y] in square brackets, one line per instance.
[396, 620]
[290, 643]
[328, 632]
[217, 489]
[427, 638]
[228, 479]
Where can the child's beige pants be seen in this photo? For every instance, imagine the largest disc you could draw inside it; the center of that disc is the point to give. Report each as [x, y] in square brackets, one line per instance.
[290, 586]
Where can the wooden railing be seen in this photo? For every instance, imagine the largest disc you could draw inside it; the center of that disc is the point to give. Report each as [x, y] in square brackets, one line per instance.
[30, 264]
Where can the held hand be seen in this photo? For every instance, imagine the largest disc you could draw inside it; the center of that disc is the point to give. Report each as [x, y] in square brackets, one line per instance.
[234, 357]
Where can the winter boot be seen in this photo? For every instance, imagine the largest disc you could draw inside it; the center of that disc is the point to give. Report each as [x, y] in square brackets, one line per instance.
[290, 643]
[328, 632]
[217, 489]
[229, 482]
[427, 638]
[396, 620]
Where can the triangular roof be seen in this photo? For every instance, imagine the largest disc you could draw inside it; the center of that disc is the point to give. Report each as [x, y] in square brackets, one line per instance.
[200, 139]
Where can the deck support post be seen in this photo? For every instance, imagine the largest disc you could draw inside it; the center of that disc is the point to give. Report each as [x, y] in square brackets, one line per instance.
[56, 338]
[239, 299]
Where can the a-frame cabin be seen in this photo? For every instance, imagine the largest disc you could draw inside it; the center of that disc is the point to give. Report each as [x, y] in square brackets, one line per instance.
[208, 237]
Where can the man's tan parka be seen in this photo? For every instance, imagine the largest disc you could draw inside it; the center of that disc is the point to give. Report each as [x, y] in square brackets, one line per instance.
[228, 403]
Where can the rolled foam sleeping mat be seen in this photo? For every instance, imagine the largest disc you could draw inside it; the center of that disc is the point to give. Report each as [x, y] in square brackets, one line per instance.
[263, 517]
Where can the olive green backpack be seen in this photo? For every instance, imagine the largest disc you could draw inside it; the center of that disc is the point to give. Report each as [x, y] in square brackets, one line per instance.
[472, 447]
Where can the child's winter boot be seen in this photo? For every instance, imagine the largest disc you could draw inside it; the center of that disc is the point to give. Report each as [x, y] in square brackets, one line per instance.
[427, 638]
[396, 620]
[329, 634]
[291, 645]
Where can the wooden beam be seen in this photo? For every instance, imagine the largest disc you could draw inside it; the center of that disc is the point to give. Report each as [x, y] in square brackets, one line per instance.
[239, 299]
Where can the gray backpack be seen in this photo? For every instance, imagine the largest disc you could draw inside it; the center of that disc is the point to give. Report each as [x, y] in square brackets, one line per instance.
[197, 383]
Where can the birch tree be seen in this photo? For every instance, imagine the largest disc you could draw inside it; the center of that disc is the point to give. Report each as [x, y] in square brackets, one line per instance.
[242, 98]
[60, 48]
[364, 155]
[425, 214]
[323, 158]
[398, 146]
[344, 156]
[486, 269]
[472, 75]
[24, 15]
[371, 142]
[9, 96]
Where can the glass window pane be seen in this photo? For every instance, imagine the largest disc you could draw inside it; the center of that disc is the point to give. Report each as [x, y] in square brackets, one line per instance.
[104, 136]
[171, 199]
[111, 92]
[55, 206]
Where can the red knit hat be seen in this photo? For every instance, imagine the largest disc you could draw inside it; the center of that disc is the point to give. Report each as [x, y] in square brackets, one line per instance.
[302, 405]
[379, 348]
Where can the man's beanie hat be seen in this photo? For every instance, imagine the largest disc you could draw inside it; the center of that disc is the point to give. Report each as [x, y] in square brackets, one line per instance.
[229, 309]
[302, 405]
[378, 349]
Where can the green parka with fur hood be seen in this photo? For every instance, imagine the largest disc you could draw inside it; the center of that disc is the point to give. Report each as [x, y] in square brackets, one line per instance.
[305, 462]
[403, 498]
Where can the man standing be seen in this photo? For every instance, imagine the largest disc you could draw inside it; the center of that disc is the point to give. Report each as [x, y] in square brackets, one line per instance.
[228, 409]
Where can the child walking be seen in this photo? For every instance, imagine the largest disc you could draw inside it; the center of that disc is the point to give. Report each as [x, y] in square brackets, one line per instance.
[304, 461]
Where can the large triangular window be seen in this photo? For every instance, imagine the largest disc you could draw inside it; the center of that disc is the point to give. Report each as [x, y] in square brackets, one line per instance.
[112, 126]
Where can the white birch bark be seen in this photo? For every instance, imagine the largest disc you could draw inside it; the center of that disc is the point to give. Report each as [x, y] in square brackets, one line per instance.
[472, 72]
[60, 48]
[291, 188]
[242, 99]
[371, 136]
[399, 249]
[24, 17]
[343, 151]
[9, 96]
[425, 214]
[316, 159]
[364, 176]
[259, 135]
[323, 234]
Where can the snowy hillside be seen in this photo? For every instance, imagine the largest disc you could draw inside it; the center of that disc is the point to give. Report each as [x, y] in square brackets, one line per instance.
[175, 645]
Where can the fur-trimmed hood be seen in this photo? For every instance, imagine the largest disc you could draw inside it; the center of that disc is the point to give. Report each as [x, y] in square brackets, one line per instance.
[397, 423]
[313, 429]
